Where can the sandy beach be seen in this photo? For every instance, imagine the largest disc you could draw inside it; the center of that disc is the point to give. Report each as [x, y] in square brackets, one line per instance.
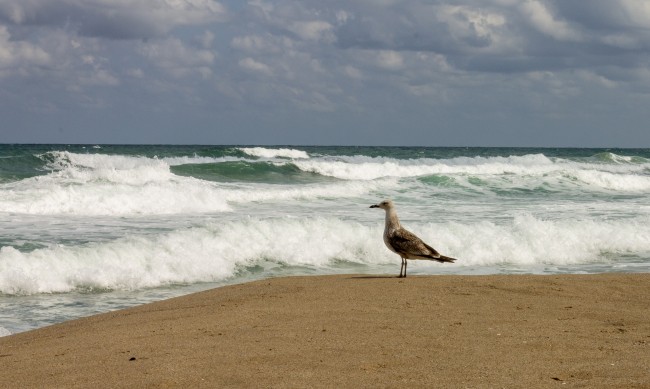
[590, 331]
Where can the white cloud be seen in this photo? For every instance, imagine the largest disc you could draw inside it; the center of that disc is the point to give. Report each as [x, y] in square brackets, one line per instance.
[316, 30]
[542, 19]
[467, 23]
[343, 17]
[255, 66]
[19, 54]
[352, 72]
[391, 60]
[100, 77]
[594, 78]
[14, 11]
[265, 43]
[637, 11]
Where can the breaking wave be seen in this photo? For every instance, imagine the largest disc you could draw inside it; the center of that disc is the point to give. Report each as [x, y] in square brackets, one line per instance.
[263, 152]
[215, 252]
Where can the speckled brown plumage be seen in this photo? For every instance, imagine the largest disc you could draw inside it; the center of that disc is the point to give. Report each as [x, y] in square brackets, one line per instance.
[405, 243]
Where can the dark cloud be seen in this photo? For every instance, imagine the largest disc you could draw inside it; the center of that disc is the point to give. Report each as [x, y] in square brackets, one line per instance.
[112, 19]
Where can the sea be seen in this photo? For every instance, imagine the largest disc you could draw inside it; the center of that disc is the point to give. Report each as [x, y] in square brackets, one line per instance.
[86, 229]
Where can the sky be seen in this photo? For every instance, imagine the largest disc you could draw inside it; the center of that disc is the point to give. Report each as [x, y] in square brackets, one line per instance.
[546, 73]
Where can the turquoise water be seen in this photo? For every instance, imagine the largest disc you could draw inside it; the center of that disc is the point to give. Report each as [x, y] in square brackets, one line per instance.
[87, 229]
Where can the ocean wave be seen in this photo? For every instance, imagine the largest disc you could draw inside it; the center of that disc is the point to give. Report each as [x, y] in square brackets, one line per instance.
[120, 185]
[528, 240]
[198, 160]
[83, 168]
[262, 171]
[609, 157]
[49, 197]
[370, 168]
[205, 254]
[526, 170]
[223, 251]
[54, 195]
[613, 181]
[134, 170]
[263, 152]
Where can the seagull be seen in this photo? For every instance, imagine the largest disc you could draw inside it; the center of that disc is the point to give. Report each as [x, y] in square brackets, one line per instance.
[403, 242]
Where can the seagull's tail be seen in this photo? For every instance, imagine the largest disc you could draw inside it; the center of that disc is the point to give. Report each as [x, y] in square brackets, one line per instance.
[444, 258]
[436, 256]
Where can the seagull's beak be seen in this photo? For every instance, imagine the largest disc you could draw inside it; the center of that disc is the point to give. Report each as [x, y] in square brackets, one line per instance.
[374, 206]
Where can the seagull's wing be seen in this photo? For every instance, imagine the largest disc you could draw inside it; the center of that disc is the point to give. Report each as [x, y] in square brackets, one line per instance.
[410, 246]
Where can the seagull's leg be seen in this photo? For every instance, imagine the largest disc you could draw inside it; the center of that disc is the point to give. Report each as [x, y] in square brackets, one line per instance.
[401, 268]
[405, 264]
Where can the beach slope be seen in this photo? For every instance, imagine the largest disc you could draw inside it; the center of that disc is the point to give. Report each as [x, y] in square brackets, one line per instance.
[356, 331]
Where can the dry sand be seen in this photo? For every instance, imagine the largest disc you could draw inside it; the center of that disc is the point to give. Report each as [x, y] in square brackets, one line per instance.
[512, 331]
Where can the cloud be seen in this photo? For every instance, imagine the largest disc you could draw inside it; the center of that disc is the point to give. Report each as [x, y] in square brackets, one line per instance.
[14, 54]
[113, 19]
[206, 39]
[97, 75]
[262, 43]
[421, 26]
[638, 12]
[459, 62]
[315, 30]
[352, 72]
[177, 58]
[474, 27]
[389, 59]
[255, 66]
[539, 15]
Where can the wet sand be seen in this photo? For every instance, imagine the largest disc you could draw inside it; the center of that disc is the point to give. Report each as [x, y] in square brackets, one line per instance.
[590, 331]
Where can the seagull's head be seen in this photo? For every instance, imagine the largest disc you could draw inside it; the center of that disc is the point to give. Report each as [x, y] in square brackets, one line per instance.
[386, 204]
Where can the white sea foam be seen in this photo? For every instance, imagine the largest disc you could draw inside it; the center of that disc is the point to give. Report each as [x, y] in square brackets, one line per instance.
[244, 194]
[613, 181]
[187, 256]
[82, 168]
[370, 168]
[519, 169]
[171, 197]
[221, 251]
[97, 184]
[186, 160]
[528, 240]
[120, 168]
[263, 152]
[62, 159]
[177, 196]
[4, 332]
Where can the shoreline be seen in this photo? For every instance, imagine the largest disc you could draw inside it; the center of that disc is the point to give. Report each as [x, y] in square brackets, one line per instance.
[356, 331]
